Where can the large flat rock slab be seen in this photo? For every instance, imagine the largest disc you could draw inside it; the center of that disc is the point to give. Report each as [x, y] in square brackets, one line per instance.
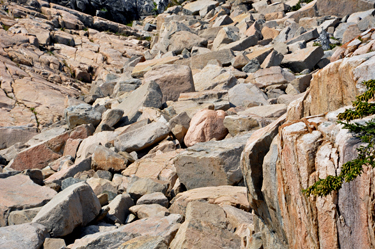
[29, 235]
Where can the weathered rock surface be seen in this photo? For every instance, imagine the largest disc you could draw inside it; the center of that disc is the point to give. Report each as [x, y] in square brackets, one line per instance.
[29, 235]
[73, 207]
[20, 192]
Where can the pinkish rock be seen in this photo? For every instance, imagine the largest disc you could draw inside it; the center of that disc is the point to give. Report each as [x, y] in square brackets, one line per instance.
[20, 192]
[206, 125]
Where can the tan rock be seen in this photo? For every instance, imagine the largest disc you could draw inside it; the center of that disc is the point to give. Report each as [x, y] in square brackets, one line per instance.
[269, 33]
[149, 210]
[204, 126]
[141, 68]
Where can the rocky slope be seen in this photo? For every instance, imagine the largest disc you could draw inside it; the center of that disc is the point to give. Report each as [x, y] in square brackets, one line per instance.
[196, 127]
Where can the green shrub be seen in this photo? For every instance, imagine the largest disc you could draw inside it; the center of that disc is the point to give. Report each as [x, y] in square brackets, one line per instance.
[365, 132]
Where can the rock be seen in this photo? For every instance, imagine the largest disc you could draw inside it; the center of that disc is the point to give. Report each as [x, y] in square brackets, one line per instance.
[305, 37]
[165, 227]
[105, 159]
[20, 192]
[111, 117]
[270, 76]
[225, 35]
[82, 114]
[212, 163]
[69, 182]
[149, 210]
[53, 243]
[193, 8]
[11, 135]
[141, 68]
[154, 198]
[71, 171]
[350, 33]
[202, 227]
[22, 216]
[29, 235]
[222, 20]
[252, 66]
[203, 79]
[225, 56]
[151, 242]
[303, 59]
[239, 124]
[240, 61]
[142, 186]
[247, 95]
[269, 33]
[185, 40]
[148, 95]
[75, 206]
[172, 80]
[101, 186]
[119, 207]
[204, 126]
[341, 9]
[273, 59]
[104, 174]
[179, 125]
[146, 136]
[241, 44]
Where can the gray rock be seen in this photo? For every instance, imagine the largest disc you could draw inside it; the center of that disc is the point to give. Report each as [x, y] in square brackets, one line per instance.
[185, 39]
[111, 117]
[273, 59]
[82, 114]
[129, 85]
[211, 163]
[222, 20]
[148, 95]
[165, 227]
[75, 206]
[29, 235]
[142, 138]
[304, 59]
[193, 8]
[104, 174]
[149, 210]
[252, 66]
[179, 125]
[120, 205]
[239, 124]
[307, 36]
[340, 30]
[69, 182]
[142, 186]
[154, 198]
[247, 95]
[15, 134]
[324, 40]
[224, 56]
[242, 44]
[149, 242]
[226, 35]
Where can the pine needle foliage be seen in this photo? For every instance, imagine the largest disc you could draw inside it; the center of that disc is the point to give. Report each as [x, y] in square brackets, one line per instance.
[365, 132]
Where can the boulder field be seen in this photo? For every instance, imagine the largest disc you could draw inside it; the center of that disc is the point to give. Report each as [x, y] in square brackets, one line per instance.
[182, 124]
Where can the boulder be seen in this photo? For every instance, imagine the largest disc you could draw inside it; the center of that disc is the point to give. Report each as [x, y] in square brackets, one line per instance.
[172, 80]
[342, 8]
[82, 114]
[224, 56]
[241, 123]
[119, 207]
[75, 206]
[247, 95]
[141, 68]
[221, 195]
[11, 135]
[205, 226]
[106, 159]
[151, 242]
[185, 40]
[142, 138]
[303, 59]
[103, 186]
[154, 198]
[141, 186]
[212, 163]
[22, 216]
[165, 228]
[29, 235]
[20, 192]
[149, 210]
[147, 95]
[204, 126]
[193, 8]
[270, 76]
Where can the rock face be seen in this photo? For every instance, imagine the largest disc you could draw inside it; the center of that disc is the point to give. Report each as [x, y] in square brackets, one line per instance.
[75, 206]
[204, 126]
[20, 192]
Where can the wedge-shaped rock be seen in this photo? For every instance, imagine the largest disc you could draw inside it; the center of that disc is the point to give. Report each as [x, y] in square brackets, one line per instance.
[185, 40]
[206, 226]
[172, 80]
[221, 195]
[225, 56]
[148, 95]
[303, 59]
[141, 68]
[29, 235]
[142, 138]
[149, 210]
[82, 114]
[75, 206]
[149, 242]
[165, 227]
[270, 76]
[212, 163]
[193, 8]
[20, 192]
